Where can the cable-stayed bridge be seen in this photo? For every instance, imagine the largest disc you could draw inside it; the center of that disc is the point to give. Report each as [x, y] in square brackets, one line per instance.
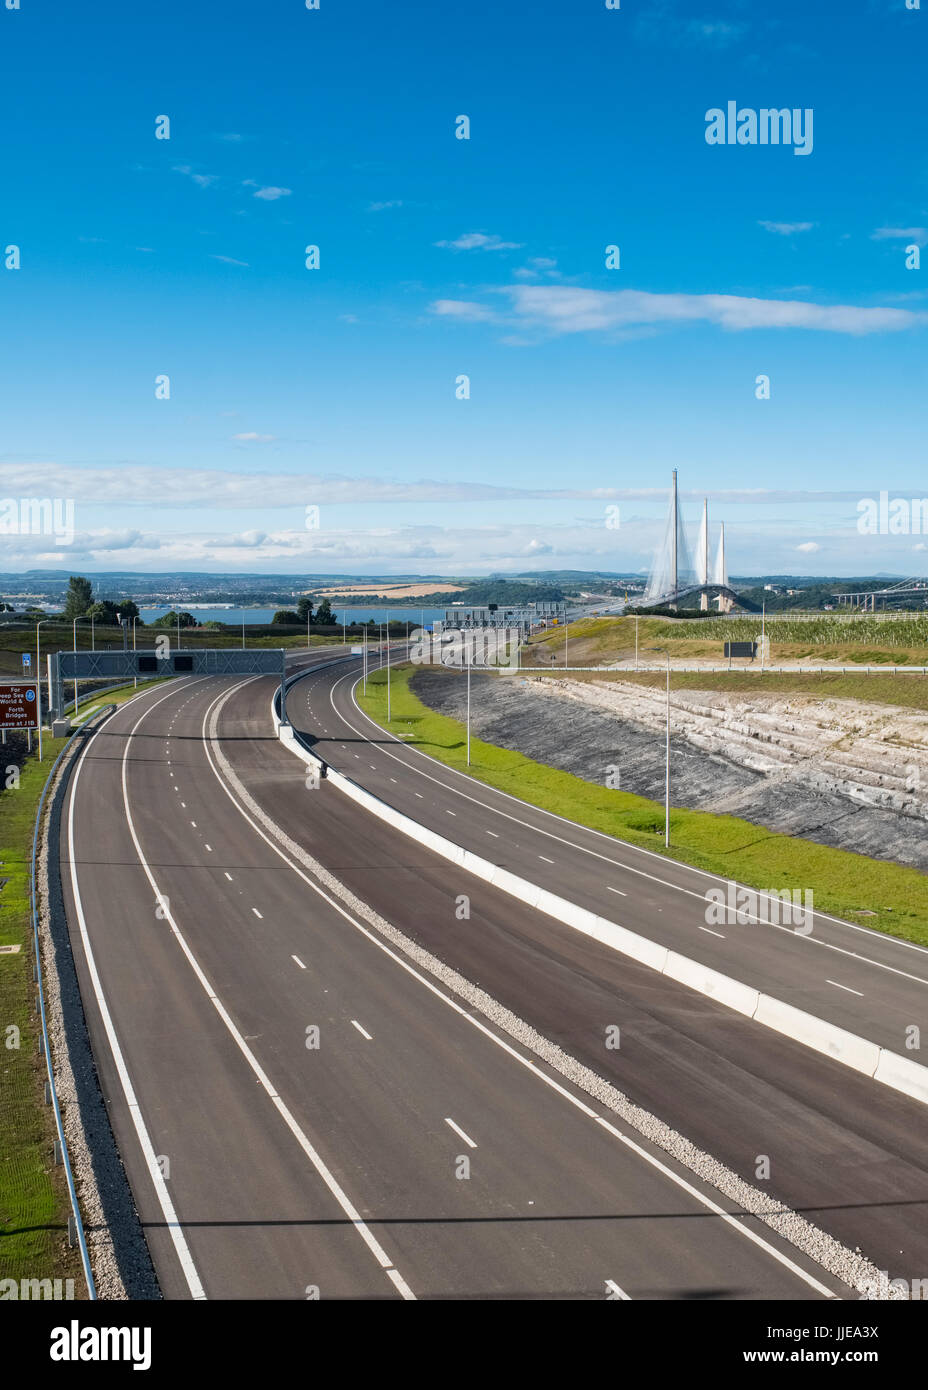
[675, 576]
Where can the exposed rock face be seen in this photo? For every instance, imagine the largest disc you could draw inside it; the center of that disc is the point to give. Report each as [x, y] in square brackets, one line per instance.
[840, 772]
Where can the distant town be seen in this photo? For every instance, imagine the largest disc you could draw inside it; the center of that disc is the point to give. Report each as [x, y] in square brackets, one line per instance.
[47, 590]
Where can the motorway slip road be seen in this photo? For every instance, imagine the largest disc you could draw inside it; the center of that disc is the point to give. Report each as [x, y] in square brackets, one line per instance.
[264, 1165]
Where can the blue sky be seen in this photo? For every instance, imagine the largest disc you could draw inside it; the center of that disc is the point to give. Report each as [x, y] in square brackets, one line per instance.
[441, 257]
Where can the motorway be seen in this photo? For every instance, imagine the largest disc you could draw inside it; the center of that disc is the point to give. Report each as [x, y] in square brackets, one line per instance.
[410, 1147]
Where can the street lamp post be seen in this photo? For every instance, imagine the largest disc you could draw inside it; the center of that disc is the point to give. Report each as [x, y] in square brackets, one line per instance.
[667, 765]
[468, 709]
[666, 753]
[38, 679]
[79, 618]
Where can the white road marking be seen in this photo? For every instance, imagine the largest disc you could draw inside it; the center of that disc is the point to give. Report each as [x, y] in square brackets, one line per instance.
[420, 796]
[299, 962]
[617, 890]
[625, 845]
[229, 877]
[148, 1151]
[450, 813]
[613, 1288]
[209, 847]
[363, 1031]
[486, 1031]
[257, 913]
[847, 987]
[459, 1131]
[493, 833]
[710, 931]
[546, 859]
[327, 1176]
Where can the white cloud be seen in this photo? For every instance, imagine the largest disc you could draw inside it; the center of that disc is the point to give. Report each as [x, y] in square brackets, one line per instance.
[271, 193]
[462, 309]
[252, 437]
[787, 228]
[808, 547]
[228, 260]
[916, 234]
[561, 309]
[479, 241]
[201, 180]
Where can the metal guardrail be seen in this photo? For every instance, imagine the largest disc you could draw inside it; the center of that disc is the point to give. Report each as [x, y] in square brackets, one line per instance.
[72, 1191]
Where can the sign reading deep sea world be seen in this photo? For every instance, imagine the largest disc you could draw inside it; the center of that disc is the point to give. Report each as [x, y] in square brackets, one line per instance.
[18, 707]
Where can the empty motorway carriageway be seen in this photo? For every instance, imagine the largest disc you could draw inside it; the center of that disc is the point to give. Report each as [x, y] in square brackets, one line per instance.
[337, 1064]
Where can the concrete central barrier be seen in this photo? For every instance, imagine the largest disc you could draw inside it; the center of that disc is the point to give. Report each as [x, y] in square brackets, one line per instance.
[848, 1049]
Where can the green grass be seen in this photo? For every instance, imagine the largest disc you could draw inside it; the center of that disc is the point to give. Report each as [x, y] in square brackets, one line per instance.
[33, 1197]
[34, 1204]
[857, 641]
[848, 885]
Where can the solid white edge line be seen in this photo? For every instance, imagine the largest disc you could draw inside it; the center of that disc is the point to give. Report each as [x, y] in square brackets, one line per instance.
[315, 1159]
[181, 1247]
[363, 1031]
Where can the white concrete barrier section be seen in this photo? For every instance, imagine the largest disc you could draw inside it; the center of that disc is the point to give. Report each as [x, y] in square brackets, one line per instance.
[824, 1037]
[901, 1073]
[722, 988]
[516, 886]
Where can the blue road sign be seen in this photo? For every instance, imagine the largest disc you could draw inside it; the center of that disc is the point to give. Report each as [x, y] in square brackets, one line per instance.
[30, 695]
[27, 659]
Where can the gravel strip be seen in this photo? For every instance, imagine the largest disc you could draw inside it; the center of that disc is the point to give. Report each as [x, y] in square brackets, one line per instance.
[119, 1255]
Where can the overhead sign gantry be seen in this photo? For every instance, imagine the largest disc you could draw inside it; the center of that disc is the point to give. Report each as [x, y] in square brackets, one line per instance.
[157, 663]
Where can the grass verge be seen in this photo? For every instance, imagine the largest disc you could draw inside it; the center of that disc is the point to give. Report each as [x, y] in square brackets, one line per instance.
[34, 1204]
[849, 885]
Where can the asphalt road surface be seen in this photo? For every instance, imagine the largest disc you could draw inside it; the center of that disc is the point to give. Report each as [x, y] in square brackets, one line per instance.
[849, 1153]
[299, 1107]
